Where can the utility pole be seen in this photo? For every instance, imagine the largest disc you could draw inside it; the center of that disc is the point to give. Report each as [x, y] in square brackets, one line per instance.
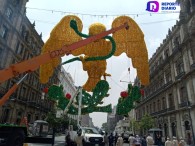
[79, 108]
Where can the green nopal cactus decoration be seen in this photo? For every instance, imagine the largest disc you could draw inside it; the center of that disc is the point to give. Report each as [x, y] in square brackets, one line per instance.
[89, 102]
[126, 104]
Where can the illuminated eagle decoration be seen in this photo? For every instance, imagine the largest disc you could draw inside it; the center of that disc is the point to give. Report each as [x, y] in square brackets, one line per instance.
[129, 41]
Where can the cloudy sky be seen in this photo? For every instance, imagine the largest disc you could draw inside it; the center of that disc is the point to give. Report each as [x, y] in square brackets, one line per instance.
[47, 13]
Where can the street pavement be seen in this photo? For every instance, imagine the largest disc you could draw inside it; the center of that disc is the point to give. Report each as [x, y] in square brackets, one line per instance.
[59, 141]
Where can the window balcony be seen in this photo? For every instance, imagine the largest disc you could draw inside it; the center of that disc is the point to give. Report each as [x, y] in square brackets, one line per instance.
[183, 104]
[159, 112]
[192, 67]
[180, 75]
[171, 108]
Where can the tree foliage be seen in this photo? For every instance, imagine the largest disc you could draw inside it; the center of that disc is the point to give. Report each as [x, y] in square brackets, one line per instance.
[135, 125]
[105, 126]
[63, 121]
[147, 122]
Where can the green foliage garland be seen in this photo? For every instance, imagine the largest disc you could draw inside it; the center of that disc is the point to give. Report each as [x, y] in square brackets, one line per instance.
[89, 103]
[126, 104]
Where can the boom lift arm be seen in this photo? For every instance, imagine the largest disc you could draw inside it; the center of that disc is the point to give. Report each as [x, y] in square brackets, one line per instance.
[34, 63]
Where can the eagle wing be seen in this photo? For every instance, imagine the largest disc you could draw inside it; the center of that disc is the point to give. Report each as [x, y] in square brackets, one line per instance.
[61, 35]
[131, 41]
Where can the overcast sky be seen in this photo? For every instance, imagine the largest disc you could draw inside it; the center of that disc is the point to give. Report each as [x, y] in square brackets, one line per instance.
[47, 13]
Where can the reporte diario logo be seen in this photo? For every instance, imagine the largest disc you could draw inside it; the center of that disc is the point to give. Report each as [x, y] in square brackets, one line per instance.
[152, 6]
[163, 6]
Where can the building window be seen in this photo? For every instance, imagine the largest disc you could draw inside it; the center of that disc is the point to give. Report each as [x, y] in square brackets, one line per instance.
[144, 110]
[4, 32]
[192, 52]
[147, 109]
[166, 130]
[29, 118]
[9, 13]
[17, 47]
[179, 66]
[150, 108]
[161, 81]
[19, 116]
[175, 43]
[183, 95]
[187, 125]
[33, 97]
[154, 106]
[168, 75]
[166, 53]
[23, 92]
[21, 49]
[163, 103]
[159, 106]
[171, 101]
[5, 115]
[36, 117]
[173, 129]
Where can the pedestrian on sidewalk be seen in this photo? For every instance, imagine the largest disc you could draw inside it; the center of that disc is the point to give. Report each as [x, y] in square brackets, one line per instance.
[106, 139]
[68, 140]
[111, 139]
[144, 143]
[119, 140]
[159, 140]
[131, 140]
[168, 142]
[175, 141]
[79, 139]
[149, 140]
[182, 142]
[115, 138]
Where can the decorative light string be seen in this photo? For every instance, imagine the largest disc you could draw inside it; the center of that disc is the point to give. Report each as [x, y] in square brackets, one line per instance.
[147, 23]
[98, 15]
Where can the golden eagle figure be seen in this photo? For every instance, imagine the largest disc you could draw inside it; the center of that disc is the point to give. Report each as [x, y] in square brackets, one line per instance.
[131, 41]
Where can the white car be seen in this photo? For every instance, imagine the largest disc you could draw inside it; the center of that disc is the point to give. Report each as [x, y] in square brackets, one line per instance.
[92, 137]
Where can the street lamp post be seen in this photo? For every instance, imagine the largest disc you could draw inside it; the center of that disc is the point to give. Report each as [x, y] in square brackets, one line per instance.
[189, 112]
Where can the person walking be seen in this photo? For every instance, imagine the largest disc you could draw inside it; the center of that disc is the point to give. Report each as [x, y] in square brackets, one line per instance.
[149, 140]
[131, 140]
[119, 141]
[115, 138]
[175, 141]
[79, 139]
[143, 140]
[68, 140]
[168, 142]
[159, 140]
[106, 139]
[111, 139]
[137, 141]
[182, 142]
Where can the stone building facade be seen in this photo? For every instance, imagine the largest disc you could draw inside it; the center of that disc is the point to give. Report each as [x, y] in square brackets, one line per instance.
[20, 41]
[170, 96]
[112, 119]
